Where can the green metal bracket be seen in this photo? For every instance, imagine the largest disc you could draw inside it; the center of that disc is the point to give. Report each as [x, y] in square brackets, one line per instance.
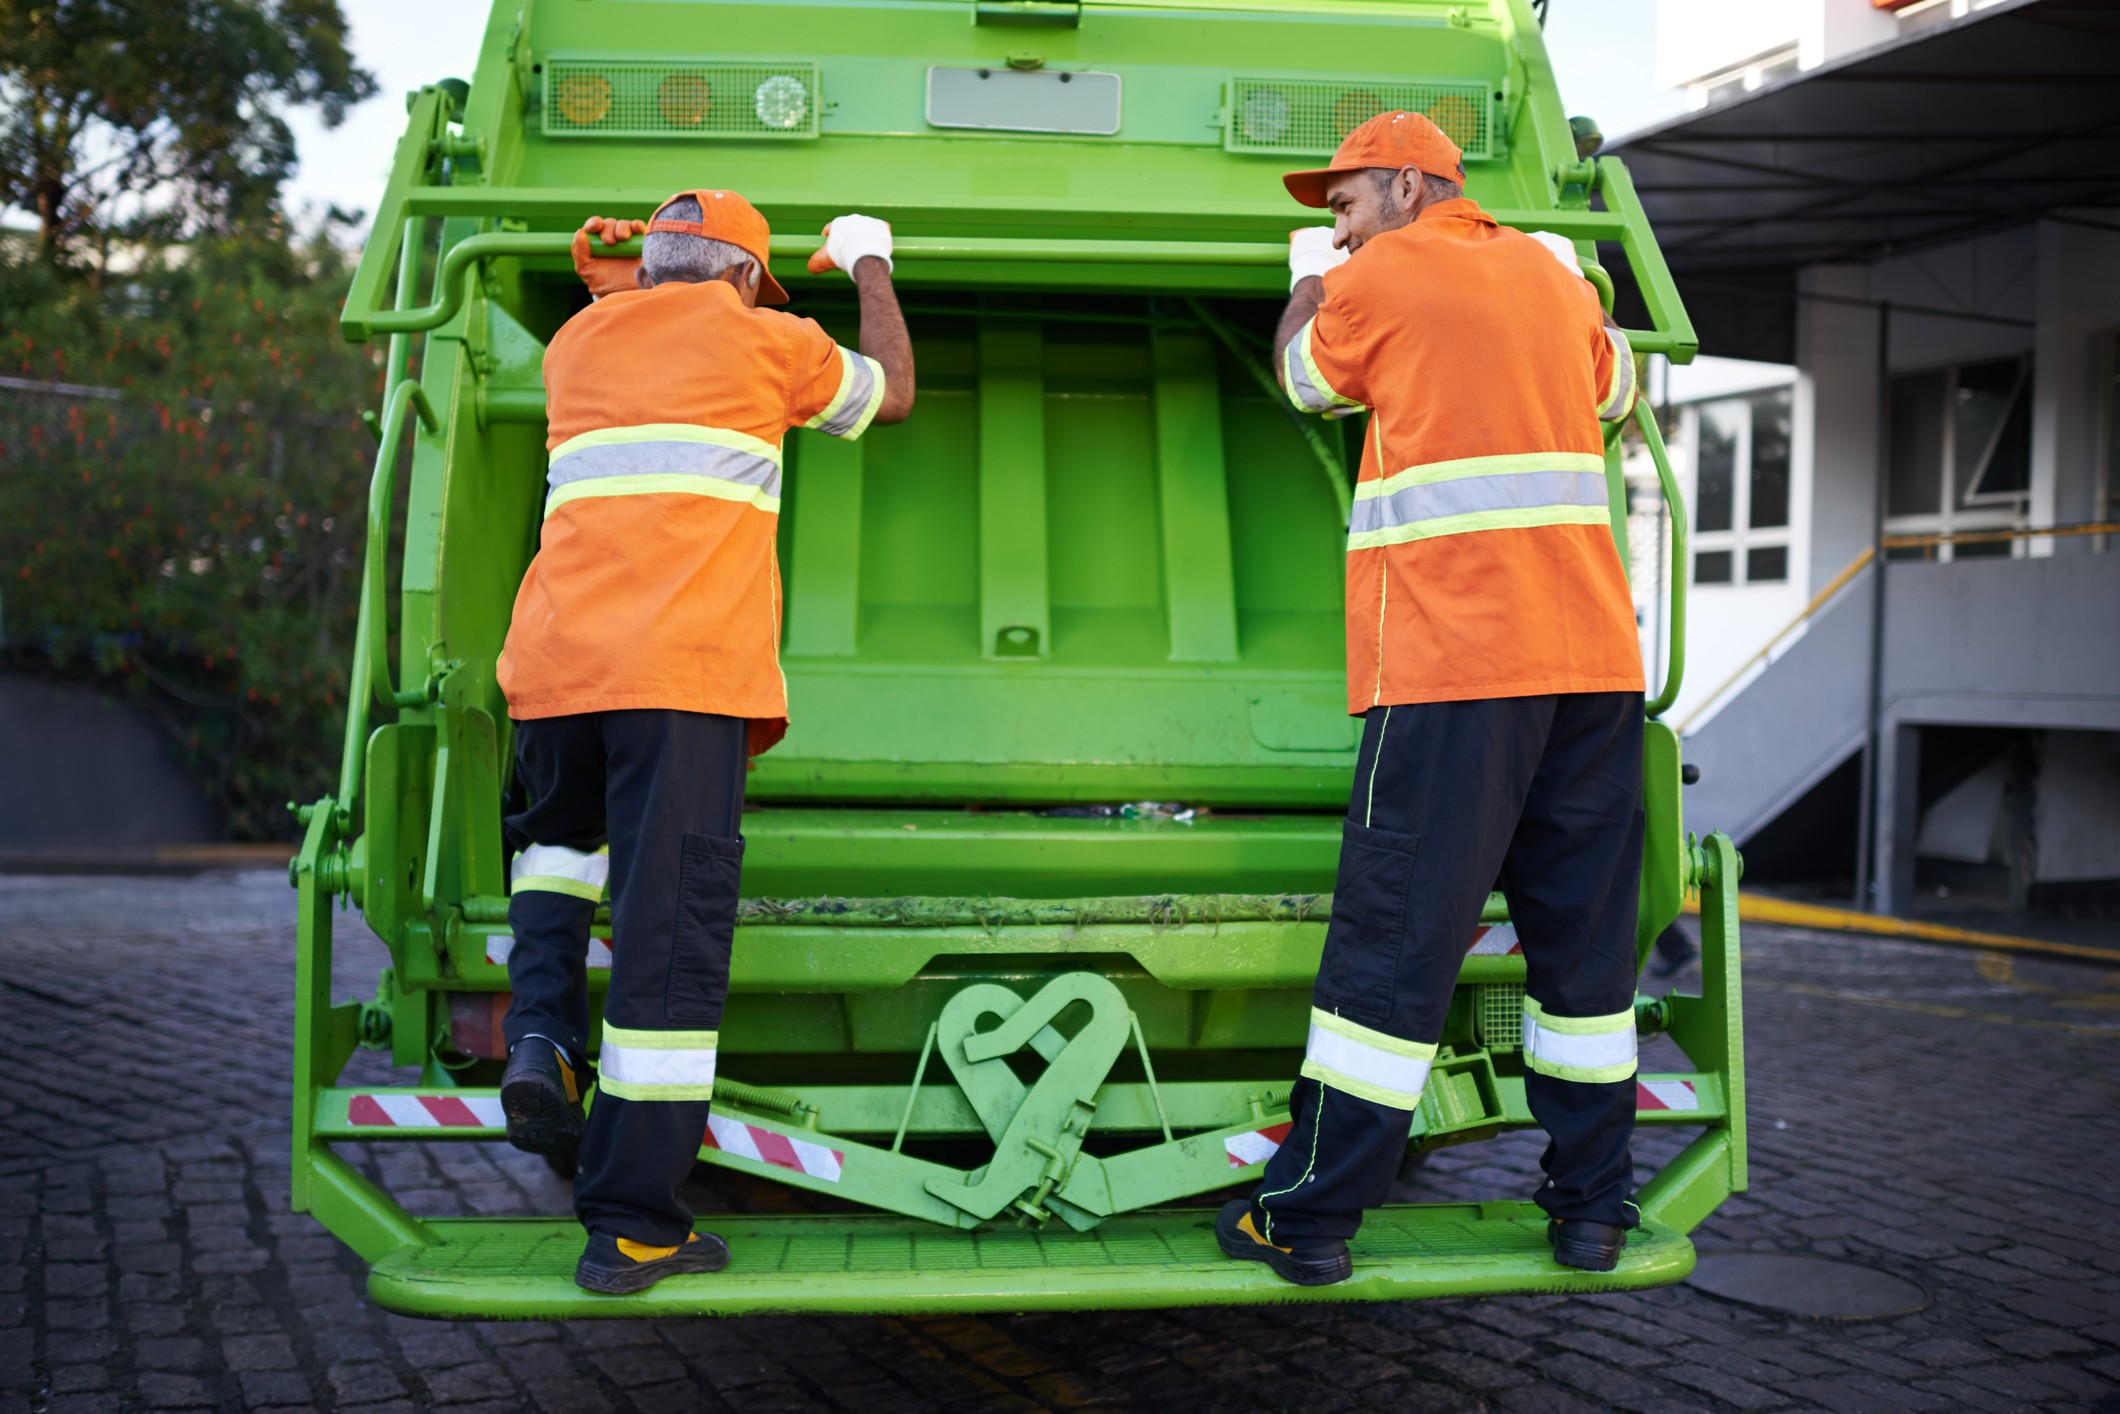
[1673, 335]
[1709, 1028]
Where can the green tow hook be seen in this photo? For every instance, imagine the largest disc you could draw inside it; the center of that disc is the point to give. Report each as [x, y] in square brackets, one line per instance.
[1038, 1129]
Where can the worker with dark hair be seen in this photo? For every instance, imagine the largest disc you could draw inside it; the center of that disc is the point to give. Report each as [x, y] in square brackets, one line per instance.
[642, 670]
[1492, 655]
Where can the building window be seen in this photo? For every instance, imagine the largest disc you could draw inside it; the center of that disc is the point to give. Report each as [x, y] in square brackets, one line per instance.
[1961, 455]
[1741, 490]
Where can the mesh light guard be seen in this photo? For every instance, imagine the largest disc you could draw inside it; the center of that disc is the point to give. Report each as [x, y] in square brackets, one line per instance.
[1499, 1015]
[680, 98]
[1308, 117]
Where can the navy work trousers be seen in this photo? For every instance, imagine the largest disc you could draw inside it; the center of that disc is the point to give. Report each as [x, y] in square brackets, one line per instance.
[664, 790]
[1544, 794]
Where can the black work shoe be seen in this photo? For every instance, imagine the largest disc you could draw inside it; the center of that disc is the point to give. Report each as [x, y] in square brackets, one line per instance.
[541, 1094]
[1592, 1247]
[618, 1266]
[1319, 1262]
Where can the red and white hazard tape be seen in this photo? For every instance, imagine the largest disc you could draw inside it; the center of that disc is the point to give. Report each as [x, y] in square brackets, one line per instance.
[1258, 1145]
[1255, 1147]
[427, 1111]
[748, 1141]
[1496, 940]
[499, 945]
[1665, 1095]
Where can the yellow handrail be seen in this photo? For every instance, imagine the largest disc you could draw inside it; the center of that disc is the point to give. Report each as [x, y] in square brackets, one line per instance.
[1856, 566]
[2028, 532]
[1818, 601]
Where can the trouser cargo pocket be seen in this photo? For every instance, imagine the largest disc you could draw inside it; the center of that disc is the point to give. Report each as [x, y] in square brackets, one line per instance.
[1359, 973]
[710, 873]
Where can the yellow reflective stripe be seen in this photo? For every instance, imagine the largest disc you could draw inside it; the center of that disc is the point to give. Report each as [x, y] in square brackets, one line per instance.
[1593, 1050]
[668, 432]
[661, 1040]
[1310, 368]
[1430, 472]
[846, 386]
[554, 884]
[1619, 398]
[662, 485]
[1481, 520]
[1375, 1040]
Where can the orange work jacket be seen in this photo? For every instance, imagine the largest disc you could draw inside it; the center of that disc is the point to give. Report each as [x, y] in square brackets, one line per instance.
[655, 582]
[1480, 559]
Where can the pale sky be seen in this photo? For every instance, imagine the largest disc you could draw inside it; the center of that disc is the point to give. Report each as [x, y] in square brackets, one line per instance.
[1603, 52]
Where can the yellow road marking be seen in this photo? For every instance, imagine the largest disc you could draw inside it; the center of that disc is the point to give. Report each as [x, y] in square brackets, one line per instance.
[1758, 908]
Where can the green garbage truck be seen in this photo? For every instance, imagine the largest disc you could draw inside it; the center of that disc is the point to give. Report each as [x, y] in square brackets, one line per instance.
[1064, 651]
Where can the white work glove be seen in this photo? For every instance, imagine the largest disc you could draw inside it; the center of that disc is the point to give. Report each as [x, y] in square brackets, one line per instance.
[850, 239]
[1311, 252]
[1563, 250]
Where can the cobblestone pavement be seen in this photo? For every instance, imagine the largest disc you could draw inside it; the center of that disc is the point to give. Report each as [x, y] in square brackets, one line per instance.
[1944, 1115]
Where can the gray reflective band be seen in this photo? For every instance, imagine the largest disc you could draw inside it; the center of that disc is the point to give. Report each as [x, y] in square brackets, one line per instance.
[1308, 395]
[665, 459]
[861, 389]
[1468, 495]
[1621, 402]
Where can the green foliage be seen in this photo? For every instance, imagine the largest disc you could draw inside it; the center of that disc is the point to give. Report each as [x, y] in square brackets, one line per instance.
[160, 116]
[185, 516]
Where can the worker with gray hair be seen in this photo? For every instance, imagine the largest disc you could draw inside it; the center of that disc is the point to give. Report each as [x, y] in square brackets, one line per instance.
[642, 671]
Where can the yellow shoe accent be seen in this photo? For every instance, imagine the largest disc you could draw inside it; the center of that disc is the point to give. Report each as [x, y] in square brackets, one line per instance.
[640, 1252]
[573, 1086]
[1243, 1225]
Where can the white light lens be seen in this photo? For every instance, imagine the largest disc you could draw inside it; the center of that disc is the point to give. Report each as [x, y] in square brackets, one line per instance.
[783, 102]
[1263, 116]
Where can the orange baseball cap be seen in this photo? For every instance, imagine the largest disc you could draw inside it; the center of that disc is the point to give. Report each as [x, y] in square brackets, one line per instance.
[1392, 140]
[725, 216]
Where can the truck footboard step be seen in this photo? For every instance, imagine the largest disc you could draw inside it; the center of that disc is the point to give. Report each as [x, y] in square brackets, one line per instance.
[518, 1268]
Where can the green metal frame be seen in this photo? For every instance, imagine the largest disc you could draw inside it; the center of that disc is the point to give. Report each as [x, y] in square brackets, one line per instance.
[1094, 501]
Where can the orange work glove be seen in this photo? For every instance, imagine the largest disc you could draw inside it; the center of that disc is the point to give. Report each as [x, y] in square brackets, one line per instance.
[607, 274]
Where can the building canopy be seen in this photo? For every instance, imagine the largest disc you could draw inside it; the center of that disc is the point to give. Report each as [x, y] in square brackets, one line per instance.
[2006, 116]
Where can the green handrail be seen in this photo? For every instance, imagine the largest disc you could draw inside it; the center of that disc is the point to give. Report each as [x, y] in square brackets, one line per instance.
[451, 285]
[371, 639]
[1675, 665]
[1673, 334]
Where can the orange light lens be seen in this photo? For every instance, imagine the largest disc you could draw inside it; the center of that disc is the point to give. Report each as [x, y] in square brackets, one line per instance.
[584, 99]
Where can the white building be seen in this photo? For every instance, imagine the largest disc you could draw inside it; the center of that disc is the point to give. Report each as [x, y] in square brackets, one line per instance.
[1907, 219]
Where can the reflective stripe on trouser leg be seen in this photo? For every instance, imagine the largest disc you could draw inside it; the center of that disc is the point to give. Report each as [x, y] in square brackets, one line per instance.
[657, 1065]
[1365, 1062]
[554, 868]
[1592, 1049]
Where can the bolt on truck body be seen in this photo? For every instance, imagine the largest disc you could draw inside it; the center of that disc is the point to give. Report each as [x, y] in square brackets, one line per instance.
[1024, 1036]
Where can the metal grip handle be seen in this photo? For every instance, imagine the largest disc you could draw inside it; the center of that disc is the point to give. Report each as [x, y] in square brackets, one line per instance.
[1675, 665]
[371, 639]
